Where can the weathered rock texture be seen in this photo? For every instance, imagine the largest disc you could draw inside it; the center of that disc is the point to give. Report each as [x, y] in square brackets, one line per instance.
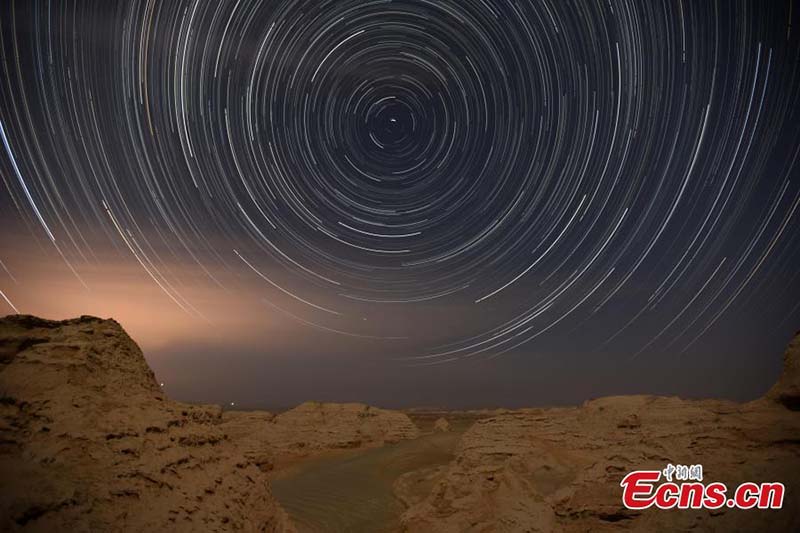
[560, 469]
[441, 424]
[314, 427]
[89, 443]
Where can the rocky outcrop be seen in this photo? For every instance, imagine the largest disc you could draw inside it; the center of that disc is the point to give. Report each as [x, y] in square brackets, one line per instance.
[315, 427]
[787, 390]
[560, 469]
[88, 442]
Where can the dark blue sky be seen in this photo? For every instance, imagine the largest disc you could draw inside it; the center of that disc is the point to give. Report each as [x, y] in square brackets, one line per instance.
[402, 202]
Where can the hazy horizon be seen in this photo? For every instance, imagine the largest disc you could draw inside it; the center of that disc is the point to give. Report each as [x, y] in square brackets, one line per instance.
[455, 204]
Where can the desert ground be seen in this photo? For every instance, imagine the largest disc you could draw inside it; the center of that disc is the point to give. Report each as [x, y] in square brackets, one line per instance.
[89, 442]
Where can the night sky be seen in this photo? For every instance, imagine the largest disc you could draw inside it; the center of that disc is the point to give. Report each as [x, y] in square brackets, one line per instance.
[450, 202]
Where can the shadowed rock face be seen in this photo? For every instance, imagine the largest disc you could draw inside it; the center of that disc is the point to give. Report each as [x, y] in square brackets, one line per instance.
[89, 443]
[560, 469]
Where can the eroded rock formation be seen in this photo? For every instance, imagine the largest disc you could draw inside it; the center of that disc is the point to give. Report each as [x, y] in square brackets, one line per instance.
[560, 469]
[89, 442]
[314, 427]
[441, 424]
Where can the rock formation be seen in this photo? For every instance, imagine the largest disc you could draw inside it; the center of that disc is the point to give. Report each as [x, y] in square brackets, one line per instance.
[560, 469]
[787, 390]
[314, 427]
[441, 424]
[89, 443]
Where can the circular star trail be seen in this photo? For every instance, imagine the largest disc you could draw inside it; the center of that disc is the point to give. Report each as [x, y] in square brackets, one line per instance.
[624, 171]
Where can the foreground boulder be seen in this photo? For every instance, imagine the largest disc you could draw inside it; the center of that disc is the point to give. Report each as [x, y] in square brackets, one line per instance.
[560, 469]
[88, 442]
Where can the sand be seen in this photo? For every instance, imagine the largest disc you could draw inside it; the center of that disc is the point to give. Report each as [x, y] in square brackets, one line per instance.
[354, 491]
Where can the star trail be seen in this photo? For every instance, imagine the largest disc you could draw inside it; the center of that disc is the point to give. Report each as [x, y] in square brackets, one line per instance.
[435, 181]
